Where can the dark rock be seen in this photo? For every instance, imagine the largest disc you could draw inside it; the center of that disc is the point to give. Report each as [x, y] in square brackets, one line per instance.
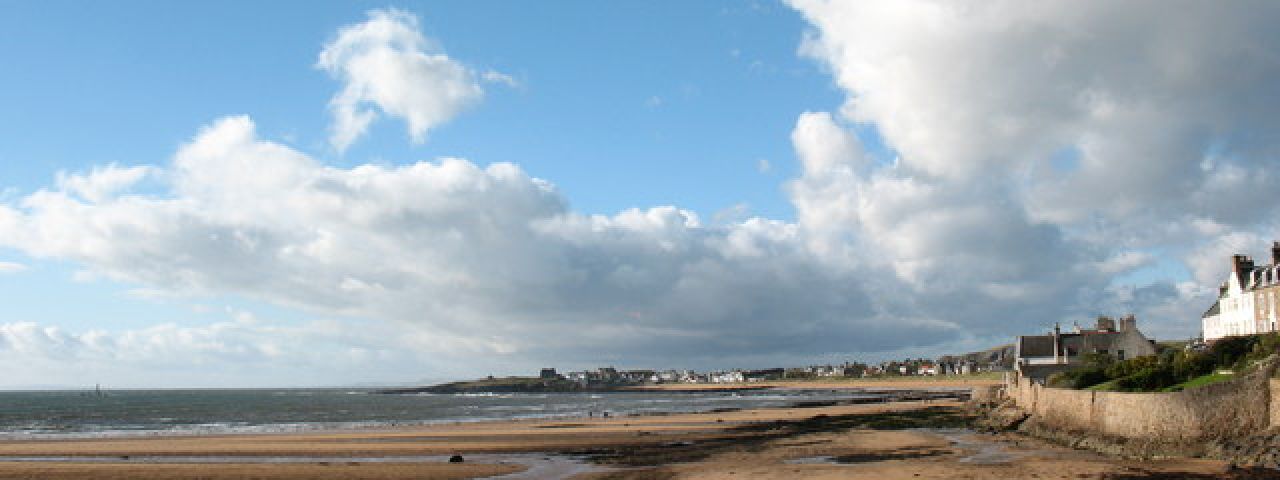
[456, 459]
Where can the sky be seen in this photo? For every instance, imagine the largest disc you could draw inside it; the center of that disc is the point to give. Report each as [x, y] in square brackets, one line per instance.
[301, 193]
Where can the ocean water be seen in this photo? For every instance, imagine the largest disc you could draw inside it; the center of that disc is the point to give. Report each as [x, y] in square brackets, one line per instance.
[60, 414]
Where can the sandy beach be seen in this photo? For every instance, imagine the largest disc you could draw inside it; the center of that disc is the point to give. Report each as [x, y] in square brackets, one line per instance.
[916, 440]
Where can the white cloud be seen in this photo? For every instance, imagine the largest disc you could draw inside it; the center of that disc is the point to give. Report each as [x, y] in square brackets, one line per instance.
[484, 259]
[493, 76]
[102, 182]
[1144, 92]
[11, 267]
[238, 351]
[386, 63]
[1159, 109]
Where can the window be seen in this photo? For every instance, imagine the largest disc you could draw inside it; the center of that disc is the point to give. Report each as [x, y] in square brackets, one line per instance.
[1120, 354]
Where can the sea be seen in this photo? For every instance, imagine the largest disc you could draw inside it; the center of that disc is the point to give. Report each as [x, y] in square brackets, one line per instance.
[116, 413]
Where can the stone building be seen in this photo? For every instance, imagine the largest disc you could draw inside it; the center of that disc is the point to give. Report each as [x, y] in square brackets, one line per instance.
[1246, 303]
[1038, 356]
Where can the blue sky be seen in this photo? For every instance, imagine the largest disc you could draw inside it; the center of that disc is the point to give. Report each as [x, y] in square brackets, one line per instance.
[697, 97]
[646, 184]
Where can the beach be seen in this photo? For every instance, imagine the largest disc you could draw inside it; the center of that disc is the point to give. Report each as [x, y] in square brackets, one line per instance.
[916, 440]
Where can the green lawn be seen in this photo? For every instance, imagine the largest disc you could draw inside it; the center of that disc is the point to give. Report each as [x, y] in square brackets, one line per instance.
[1200, 381]
[1109, 386]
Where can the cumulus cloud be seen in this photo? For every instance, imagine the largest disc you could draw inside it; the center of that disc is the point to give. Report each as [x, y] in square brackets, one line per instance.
[387, 65]
[488, 260]
[1043, 149]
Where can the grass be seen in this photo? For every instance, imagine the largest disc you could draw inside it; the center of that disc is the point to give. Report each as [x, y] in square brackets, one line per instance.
[1200, 381]
[1108, 386]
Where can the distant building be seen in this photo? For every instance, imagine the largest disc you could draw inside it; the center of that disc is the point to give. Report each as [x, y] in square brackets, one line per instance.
[608, 374]
[1038, 356]
[1246, 303]
[548, 374]
[762, 375]
[636, 376]
[734, 376]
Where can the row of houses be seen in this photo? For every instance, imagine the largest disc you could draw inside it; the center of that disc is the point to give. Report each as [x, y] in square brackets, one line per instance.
[1246, 302]
[613, 376]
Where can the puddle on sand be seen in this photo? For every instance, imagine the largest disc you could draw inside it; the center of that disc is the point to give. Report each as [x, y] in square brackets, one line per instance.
[821, 460]
[859, 458]
[537, 466]
[985, 452]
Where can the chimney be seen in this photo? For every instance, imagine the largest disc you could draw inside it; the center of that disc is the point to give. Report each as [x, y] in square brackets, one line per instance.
[1057, 342]
[1241, 266]
[1275, 253]
[1128, 323]
[1106, 324]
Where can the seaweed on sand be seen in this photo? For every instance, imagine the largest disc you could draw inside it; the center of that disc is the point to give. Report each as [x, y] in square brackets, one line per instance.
[753, 437]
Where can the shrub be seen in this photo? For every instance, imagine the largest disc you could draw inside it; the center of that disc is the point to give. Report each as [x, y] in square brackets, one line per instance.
[1151, 378]
[1083, 377]
[1061, 380]
[1228, 351]
[1189, 364]
[1089, 377]
[1264, 346]
[1131, 366]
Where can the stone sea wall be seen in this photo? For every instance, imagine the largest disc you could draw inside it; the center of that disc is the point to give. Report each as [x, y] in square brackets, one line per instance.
[1250, 403]
[1233, 419]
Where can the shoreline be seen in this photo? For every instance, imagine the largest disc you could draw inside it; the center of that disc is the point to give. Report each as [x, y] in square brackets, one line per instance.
[923, 439]
[883, 394]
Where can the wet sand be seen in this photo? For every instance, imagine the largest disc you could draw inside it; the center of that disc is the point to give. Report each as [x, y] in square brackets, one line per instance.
[122, 471]
[896, 440]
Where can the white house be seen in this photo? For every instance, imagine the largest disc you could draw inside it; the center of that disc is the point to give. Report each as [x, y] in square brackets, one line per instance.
[734, 376]
[1246, 303]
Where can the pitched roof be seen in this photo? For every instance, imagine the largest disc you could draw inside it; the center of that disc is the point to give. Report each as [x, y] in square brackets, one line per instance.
[1212, 310]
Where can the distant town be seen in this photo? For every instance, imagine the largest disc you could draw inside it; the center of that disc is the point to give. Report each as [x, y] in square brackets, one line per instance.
[998, 359]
